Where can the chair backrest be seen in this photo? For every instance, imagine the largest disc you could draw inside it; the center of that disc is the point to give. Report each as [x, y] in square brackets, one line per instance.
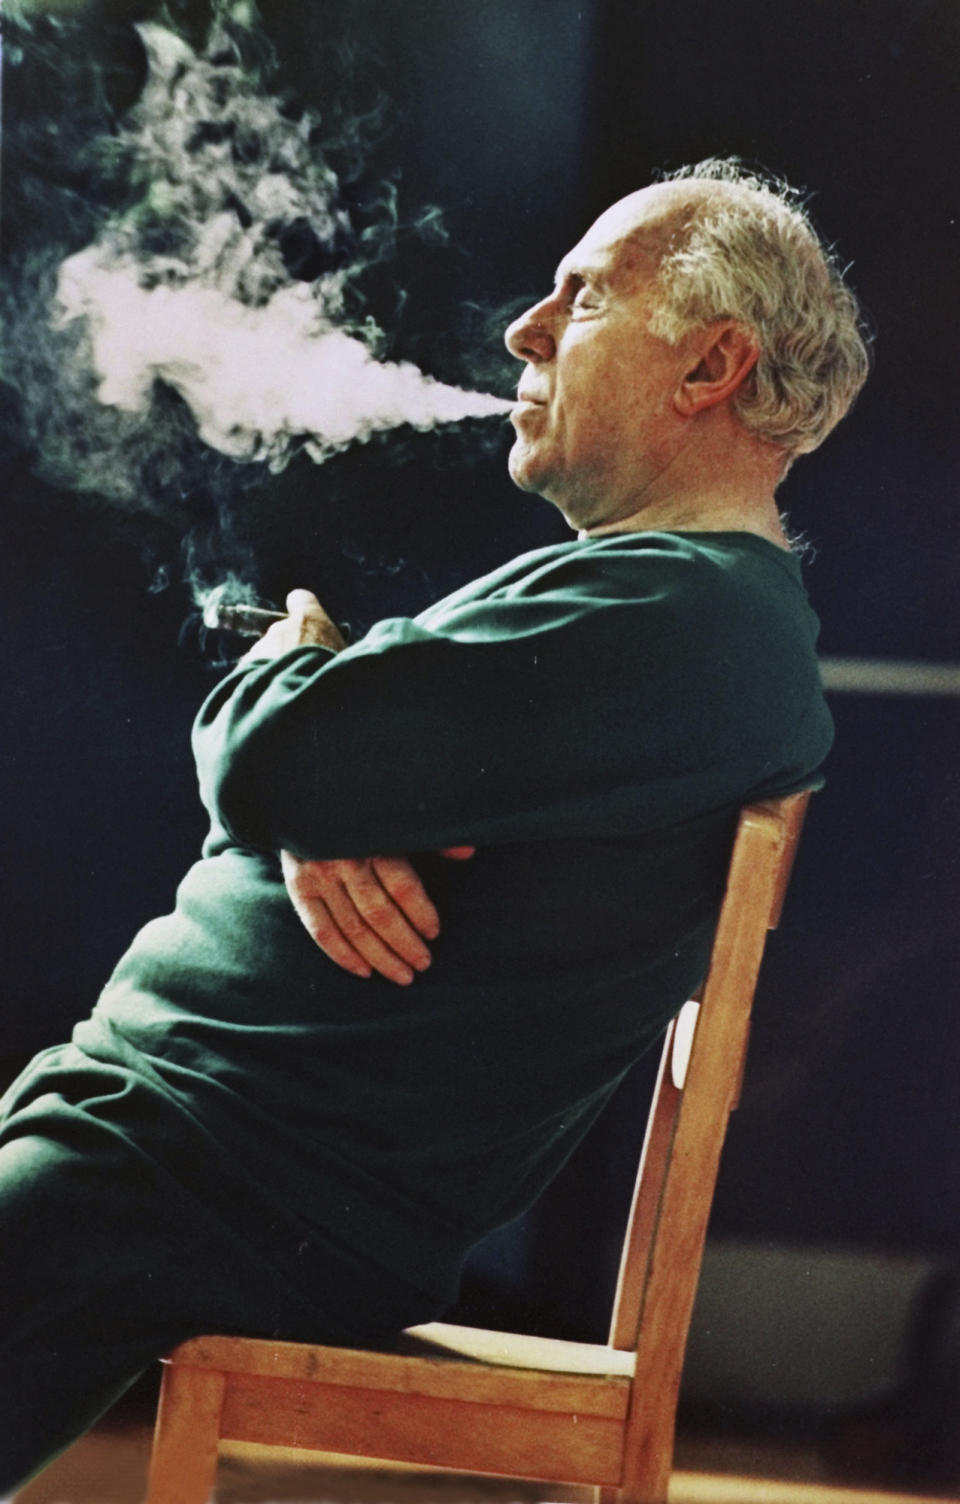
[692, 1101]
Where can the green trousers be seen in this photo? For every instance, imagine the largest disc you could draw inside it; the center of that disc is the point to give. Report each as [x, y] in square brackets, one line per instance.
[107, 1261]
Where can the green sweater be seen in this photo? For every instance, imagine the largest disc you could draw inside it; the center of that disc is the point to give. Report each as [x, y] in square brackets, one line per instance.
[590, 716]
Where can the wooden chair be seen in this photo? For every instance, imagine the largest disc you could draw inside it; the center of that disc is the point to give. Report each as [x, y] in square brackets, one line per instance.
[499, 1403]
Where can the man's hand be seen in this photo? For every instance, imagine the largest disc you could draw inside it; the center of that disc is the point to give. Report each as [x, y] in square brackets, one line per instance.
[370, 914]
[306, 623]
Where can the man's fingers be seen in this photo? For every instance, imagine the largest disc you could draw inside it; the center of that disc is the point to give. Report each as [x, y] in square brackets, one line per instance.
[311, 623]
[401, 880]
[385, 914]
[300, 600]
[319, 924]
[458, 853]
[367, 915]
[361, 938]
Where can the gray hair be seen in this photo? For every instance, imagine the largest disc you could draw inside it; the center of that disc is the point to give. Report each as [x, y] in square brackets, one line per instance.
[749, 252]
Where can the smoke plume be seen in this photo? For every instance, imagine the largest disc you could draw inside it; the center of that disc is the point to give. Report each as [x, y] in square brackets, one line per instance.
[214, 313]
[256, 378]
[261, 358]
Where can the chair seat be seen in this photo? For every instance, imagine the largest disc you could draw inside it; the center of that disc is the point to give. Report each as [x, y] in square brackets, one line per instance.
[449, 1397]
[517, 1350]
[442, 1360]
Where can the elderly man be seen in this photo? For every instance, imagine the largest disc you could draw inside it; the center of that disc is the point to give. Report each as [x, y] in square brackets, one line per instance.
[249, 1134]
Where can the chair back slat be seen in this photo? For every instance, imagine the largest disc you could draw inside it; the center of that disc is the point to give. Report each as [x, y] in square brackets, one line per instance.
[656, 1294]
[645, 1209]
[792, 810]
[759, 871]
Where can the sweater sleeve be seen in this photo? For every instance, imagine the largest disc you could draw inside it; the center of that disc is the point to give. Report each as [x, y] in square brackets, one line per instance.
[589, 698]
[413, 740]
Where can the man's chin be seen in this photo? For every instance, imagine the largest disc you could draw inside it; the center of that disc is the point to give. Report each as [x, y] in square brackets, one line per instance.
[525, 472]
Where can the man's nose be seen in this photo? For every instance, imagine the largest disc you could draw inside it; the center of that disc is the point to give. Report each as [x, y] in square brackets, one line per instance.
[530, 337]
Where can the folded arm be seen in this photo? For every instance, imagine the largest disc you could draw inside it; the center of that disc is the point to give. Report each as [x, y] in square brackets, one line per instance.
[367, 914]
[551, 709]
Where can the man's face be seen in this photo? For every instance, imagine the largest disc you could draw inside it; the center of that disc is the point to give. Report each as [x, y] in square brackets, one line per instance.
[594, 418]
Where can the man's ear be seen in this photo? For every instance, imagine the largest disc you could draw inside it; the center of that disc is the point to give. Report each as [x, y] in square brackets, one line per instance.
[723, 357]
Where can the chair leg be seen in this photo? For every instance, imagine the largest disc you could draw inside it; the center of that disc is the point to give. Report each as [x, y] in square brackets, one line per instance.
[646, 1476]
[626, 1496]
[184, 1462]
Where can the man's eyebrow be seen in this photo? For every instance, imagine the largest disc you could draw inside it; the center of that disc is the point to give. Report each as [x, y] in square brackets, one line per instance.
[578, 271]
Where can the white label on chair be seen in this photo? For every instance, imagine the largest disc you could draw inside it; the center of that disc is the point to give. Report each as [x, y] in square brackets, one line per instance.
[683, 1042]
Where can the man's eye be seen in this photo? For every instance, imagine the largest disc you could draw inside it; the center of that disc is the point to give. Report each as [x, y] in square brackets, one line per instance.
[585, 299]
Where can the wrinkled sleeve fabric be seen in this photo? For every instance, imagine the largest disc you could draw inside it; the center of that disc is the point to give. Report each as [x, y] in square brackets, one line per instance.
[550, 707]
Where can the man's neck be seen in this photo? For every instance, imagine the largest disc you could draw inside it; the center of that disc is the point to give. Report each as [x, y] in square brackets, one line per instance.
[729, 490]
[701, 515]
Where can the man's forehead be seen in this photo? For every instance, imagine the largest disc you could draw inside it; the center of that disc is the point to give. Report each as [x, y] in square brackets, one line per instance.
[633, 232]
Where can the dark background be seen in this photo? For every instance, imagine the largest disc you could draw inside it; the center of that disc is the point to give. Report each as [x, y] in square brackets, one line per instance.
[522, 122]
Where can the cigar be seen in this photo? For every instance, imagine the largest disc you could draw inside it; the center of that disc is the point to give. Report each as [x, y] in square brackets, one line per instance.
[244, 620]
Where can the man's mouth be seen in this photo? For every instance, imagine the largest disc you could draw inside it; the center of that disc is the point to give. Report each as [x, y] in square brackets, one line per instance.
[523, 410]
